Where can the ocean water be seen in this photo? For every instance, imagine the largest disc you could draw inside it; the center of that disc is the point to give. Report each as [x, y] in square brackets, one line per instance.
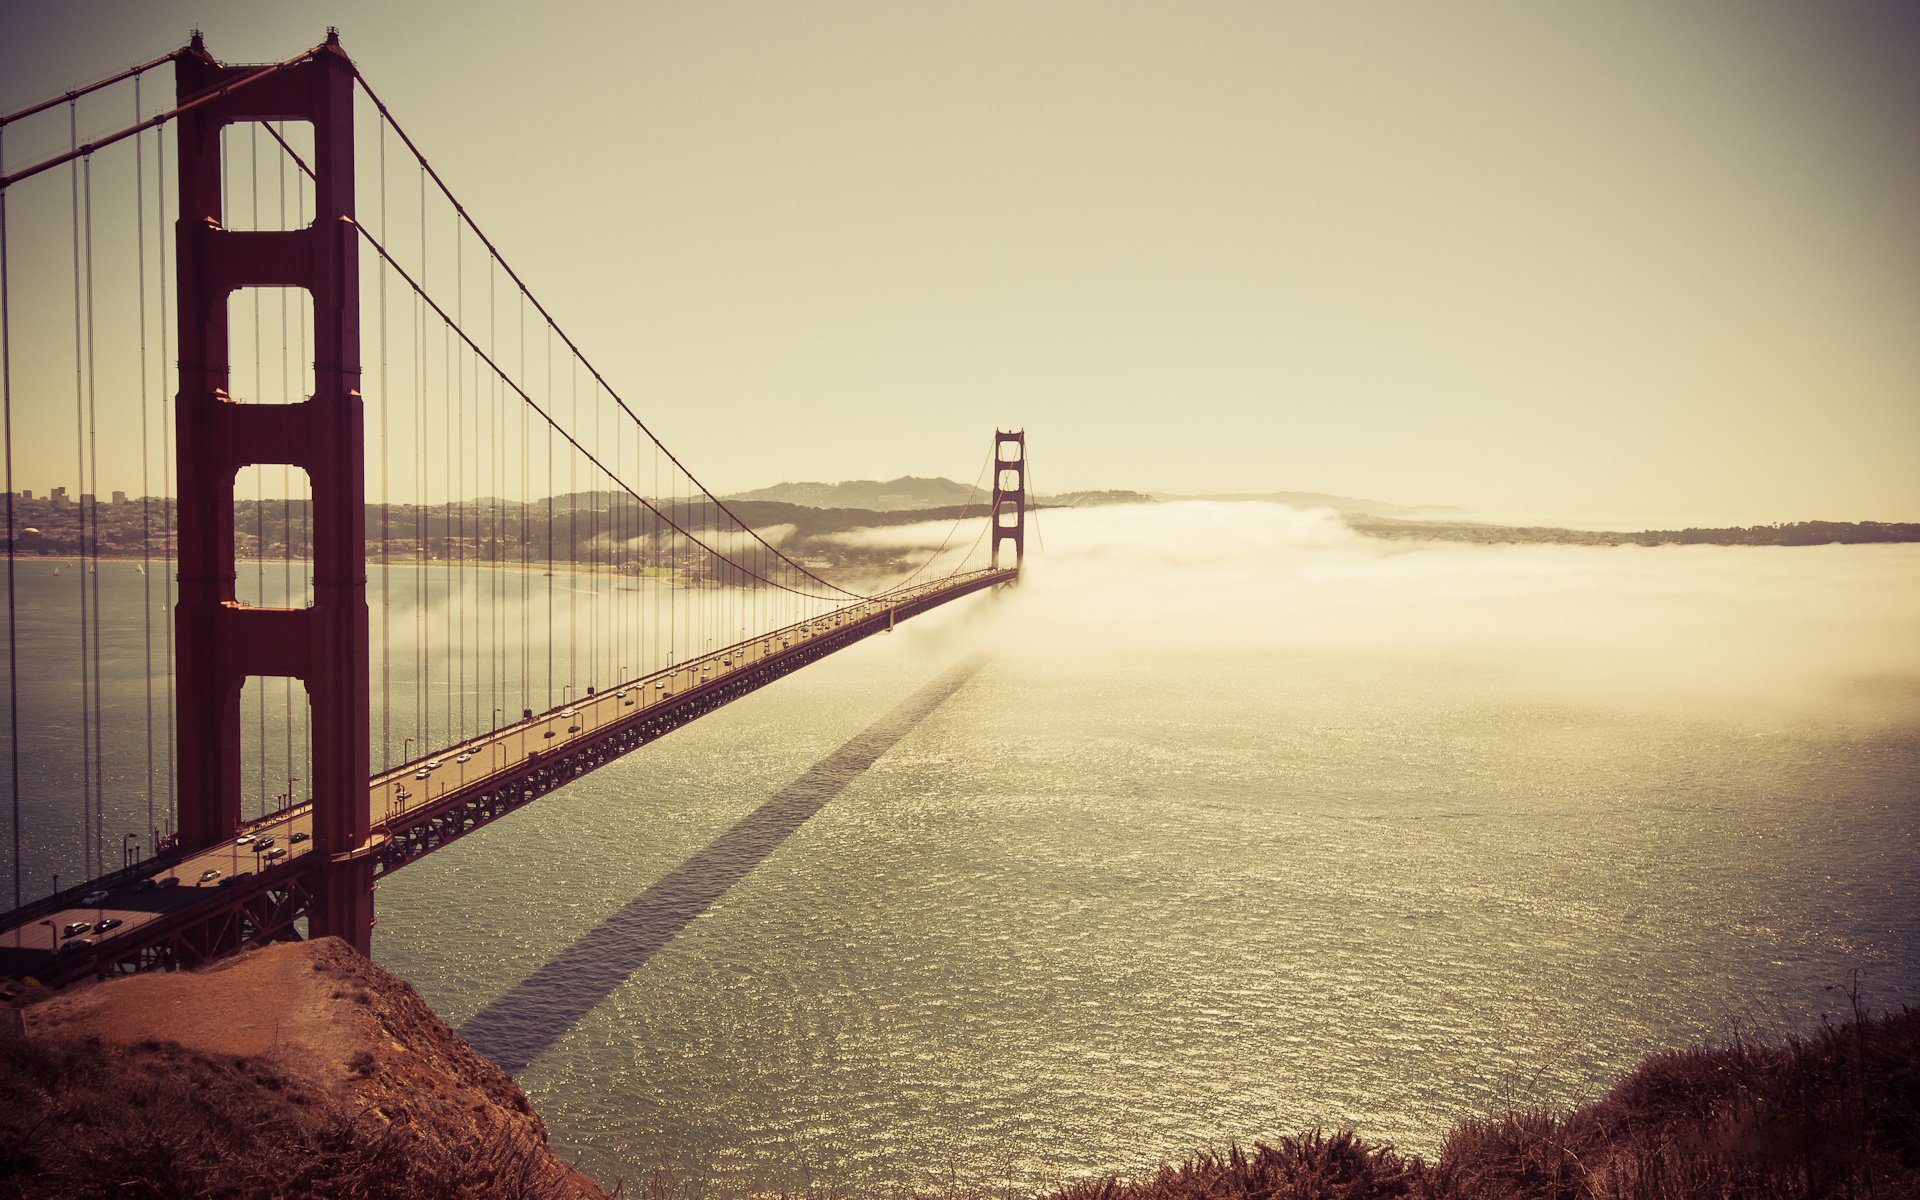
[1242, 825]
[1210, 851]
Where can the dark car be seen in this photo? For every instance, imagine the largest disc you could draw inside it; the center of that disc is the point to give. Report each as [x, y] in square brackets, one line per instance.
[75, 929]
[275, 855]
[110, 923]
[265, 843]
[75, 946]
[171, 881]
[299, 837]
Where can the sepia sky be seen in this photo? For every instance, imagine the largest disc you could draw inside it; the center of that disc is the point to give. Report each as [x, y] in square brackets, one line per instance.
[1631, 262]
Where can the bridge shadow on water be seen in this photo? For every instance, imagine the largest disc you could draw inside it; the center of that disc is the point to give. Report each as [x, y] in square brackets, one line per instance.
[536, 1012]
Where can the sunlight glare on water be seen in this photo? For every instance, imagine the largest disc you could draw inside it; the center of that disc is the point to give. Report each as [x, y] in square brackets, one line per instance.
[1248, 824]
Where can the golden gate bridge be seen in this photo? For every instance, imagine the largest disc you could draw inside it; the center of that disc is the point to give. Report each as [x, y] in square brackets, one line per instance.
[435, 446]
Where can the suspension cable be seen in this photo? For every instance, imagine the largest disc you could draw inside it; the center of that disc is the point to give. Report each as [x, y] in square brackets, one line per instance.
[86, 149]
[601, 382]
[467, 219]
[69, 96]
[555, 427]
[80, 471]
[13, 644]
[1026, 481]
[146, 445]
[952, 529]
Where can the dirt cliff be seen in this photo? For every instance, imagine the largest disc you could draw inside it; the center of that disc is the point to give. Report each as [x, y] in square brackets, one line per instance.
[294, 1070]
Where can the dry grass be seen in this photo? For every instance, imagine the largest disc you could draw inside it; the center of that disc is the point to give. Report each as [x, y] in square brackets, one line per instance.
[82, 1119]
[1832, 1115]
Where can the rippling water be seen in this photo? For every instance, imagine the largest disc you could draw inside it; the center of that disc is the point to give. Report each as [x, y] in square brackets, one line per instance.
[1220, 845]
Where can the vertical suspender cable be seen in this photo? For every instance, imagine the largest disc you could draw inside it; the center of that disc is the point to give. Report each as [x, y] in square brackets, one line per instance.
[526, 538]
[146, 509]
[550, 525]
[386, 497]
[80, 469]
[166, 459]
[573, 534]
[456, 473]
[286, 484]
[259, 484]
[93, 568]
[13, 641]
[416, 463]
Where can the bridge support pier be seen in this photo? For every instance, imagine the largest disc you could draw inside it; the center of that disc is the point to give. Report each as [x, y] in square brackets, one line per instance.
[223, 642]
[1010, 493]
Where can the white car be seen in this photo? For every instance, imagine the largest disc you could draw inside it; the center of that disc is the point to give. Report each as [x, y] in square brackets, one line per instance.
[94, 898]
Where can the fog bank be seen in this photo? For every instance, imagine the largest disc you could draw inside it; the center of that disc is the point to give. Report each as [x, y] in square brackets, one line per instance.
[1700, 627]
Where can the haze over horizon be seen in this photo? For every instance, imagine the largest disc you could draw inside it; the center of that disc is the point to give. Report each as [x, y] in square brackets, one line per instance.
[1639, 264]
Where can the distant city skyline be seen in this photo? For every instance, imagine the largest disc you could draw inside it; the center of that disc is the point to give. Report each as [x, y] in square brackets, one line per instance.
[1640, 262]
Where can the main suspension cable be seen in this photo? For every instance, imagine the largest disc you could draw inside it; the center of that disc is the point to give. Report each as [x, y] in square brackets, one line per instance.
[520, 283]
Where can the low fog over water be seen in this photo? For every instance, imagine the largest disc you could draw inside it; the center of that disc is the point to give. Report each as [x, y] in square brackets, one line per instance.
[1247, 823]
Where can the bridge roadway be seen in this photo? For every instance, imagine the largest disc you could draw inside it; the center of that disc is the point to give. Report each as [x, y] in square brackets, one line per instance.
[257, 881]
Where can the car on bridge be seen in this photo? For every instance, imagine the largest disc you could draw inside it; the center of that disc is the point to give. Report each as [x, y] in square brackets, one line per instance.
[210, 874]
[275, 854]
[94, 898]
[111, 923]
[75, 928]
[75, 946]
[299, 837]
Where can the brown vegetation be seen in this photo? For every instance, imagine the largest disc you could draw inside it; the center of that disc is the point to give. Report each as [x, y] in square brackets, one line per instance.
[297, 1070]
[306, 1071]
[1833, 1115]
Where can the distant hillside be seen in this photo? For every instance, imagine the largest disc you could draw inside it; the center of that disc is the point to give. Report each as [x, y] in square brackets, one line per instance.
[1093, 499]
[1793, 533]
[1347, 505]
[893, 495]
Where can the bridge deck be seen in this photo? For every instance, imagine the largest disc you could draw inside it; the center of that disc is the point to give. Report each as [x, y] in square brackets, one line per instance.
[410, 804]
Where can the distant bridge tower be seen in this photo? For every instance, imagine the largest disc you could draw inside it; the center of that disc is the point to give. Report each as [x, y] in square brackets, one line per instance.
[223, 642]
[1010, 493]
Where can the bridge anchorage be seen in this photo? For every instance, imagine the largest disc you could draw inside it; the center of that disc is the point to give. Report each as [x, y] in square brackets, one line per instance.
[669, 568]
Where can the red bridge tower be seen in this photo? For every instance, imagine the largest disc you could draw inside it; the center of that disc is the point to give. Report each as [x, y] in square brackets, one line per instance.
[223, 642]
[1010, 493]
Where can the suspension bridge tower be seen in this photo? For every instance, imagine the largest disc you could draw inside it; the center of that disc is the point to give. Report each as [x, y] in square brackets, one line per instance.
[221, 641]
[1010, 494]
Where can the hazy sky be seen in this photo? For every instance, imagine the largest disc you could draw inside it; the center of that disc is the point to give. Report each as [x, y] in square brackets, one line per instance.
[1623, 261]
